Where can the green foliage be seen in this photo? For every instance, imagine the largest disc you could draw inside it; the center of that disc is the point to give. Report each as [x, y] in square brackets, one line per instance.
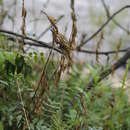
[3, 41]
[1, 1]
[6, 56]
[1, 126]
[66, 107]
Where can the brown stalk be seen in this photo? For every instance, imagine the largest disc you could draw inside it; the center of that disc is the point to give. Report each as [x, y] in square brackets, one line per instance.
[117, 49]
[24, 13]
[74, 27]
[48, 28]
[63, 45]
[116, 54]
[99, 45]
[44, 85]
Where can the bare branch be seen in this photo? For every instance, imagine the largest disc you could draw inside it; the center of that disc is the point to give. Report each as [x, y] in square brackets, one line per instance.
[33, 43]
[108, 71]
[103, 26]
[114, 21]
[46, 45]
[103, 53]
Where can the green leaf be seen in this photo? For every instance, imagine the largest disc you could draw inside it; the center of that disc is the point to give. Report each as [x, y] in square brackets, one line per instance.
[30, 54]
[35, 57]
[9, 67]
[4, 55]
[27, 70]
[1, 126]
[3, 82]
[10, 18]
[42, 57]
[19, 61]
[73, 114]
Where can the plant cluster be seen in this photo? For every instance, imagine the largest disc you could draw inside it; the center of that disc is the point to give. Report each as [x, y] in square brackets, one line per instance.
[64, 107]
[52, 92]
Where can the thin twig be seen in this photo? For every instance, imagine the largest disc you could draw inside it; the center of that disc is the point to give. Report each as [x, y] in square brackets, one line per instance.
[103, 26]
[114, 21]
[24, 110]
[101, 52]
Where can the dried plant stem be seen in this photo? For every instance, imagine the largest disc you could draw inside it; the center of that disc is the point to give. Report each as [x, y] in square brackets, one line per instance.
[98, 46]
[42, 75]
[24, 13]
[74, 26]
[47, 29]
[23, 107]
